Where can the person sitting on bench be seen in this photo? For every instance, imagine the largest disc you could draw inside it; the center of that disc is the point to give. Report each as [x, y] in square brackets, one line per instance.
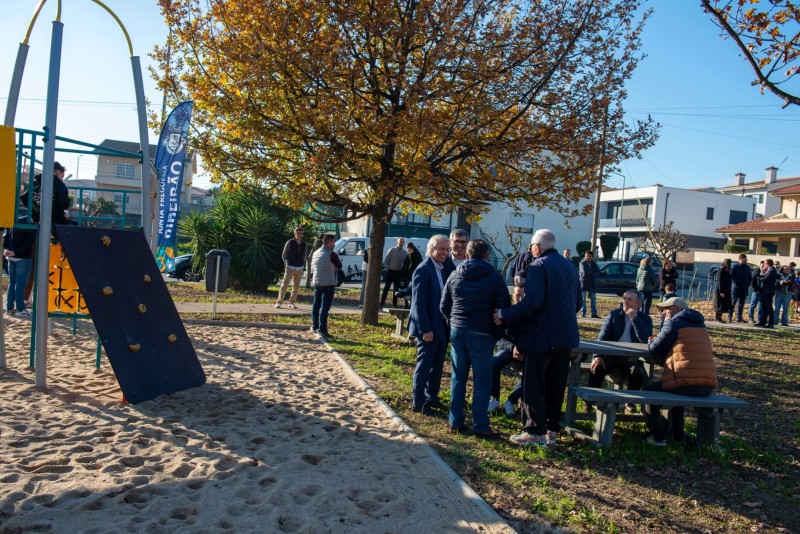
[626, 323]
[684, 348]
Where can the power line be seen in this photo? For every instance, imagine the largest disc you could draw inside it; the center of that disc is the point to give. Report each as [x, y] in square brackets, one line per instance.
[731, 136]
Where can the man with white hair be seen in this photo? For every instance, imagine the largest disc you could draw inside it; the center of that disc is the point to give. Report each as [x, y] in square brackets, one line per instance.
[546, 331]
[427, 325]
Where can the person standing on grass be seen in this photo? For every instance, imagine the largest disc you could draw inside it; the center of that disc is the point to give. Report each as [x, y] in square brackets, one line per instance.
[722, 291]
[471, 295]
[683, 347]
[783, 294]
[324, 264]
[646, 281]
[589, 272]
[294, 258]
[668, 275]
[393, 262]
[741, 278]
[755, 298]
[767, 281]
[426, 325]
[546, 327]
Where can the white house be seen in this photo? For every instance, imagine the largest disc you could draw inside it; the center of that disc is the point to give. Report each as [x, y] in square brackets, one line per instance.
[767, 205]
[695, 213]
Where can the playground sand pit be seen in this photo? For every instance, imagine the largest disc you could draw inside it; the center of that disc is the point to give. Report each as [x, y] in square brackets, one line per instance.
[279, 439]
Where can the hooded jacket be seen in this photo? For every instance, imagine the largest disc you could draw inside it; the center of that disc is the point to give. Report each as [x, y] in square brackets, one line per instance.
[471, 295]
[684, 348]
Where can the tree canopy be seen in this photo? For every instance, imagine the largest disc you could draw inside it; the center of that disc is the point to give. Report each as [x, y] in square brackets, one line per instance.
[381, 106]
[767, 33]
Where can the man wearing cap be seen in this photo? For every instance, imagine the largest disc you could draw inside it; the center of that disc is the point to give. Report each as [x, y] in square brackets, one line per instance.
[61, 201]
[683, 347]
[294, 258]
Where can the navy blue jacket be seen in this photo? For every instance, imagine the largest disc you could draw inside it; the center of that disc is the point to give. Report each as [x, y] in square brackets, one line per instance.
[471, 295]
[614, 326]
[588, 272]
[741, 276]
[20, 241]
[426, 294]
[546, 318]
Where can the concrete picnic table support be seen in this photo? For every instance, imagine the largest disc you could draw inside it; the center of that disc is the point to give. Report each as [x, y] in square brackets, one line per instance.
[401, 315]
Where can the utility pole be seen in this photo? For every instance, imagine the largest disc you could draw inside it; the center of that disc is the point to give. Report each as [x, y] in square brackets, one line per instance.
[596, 219]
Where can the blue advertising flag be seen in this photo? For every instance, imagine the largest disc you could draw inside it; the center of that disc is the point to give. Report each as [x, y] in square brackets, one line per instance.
[170, 158]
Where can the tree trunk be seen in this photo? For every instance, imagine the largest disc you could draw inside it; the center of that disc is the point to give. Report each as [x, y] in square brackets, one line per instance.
[372, 296]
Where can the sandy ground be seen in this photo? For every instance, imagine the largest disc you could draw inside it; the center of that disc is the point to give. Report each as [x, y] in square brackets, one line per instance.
[280, 439]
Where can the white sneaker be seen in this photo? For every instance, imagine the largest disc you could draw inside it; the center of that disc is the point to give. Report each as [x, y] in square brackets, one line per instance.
[292, 306]
[551, 438]
[278, 304]
[529, 440]
[509, 408]
[493, 405]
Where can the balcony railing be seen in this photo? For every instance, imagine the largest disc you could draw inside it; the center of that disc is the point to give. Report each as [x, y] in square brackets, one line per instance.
[622, 223]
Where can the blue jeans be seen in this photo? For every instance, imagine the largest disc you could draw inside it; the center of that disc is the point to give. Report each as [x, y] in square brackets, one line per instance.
[592, 298]
[468, 349]
[18, 272]
[755, 300]
[500, 360]
[323, 298]
[782, 300]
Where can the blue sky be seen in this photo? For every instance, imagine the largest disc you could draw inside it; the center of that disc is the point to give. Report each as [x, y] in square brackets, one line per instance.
[715, 123]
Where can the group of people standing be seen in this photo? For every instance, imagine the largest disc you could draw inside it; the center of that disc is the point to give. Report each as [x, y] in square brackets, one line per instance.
[468, 306]
[774, 290]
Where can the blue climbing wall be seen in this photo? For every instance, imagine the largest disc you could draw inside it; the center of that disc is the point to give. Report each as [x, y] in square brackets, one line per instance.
[133, 312]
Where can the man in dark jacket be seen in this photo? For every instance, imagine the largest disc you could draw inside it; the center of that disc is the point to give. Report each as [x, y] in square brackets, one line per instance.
[629, 324]
[683, 347]
[741, 277]
[294, 259]
[471, 295]
[547, 331]
[427, 325]
[61, 201]
[755, 297]
[767, 280]
[589, 272]
[18, 249]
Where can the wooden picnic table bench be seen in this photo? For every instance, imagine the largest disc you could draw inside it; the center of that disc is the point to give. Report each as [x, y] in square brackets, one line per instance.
[401, 315]
[607, 401]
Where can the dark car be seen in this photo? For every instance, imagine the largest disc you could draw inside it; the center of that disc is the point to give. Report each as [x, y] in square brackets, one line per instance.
[616, 277]
[712, 272]
[637, 258]
[183, 269]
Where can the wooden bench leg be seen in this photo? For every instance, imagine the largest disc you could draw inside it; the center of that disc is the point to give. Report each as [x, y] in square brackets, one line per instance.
[605, 417]
[708, 427]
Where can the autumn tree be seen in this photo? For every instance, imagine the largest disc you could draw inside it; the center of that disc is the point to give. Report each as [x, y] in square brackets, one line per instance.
[514, 240]
[767, 33]
[388, 106]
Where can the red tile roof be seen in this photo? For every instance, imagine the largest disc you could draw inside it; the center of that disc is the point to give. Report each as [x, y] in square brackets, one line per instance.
[788, 190]
[761, 226]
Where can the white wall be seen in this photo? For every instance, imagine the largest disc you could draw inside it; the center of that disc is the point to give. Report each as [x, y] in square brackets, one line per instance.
[688, 208]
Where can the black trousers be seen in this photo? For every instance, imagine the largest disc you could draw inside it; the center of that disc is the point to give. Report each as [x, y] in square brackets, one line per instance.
[543, 381]
[628, 372]
[392, 277]
[657, 423]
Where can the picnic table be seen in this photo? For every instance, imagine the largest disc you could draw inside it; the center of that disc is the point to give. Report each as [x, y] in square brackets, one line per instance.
[607, 402]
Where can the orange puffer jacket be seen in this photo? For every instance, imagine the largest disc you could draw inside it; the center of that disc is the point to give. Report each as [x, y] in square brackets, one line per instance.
[685, 345]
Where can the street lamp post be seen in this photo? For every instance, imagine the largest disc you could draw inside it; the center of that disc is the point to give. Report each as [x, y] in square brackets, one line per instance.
[78, 167]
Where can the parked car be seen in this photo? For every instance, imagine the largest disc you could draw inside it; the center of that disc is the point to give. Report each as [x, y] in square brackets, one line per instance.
[351, 252]
[712, 272]
[182, 269]
[637, 258]
[616, 277]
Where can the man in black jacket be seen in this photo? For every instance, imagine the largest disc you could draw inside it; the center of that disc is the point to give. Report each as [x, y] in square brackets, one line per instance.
[61, 201]
[741, 277]
[294, 258]
[767, 280]
[626, 323]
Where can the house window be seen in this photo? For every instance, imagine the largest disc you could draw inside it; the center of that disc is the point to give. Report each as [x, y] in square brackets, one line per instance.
[125, 171]
[521, 224]
[709, 214]
[737, 217]
[118, 198]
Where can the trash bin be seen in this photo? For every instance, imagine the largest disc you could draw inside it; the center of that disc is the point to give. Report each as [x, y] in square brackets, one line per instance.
[211, 269]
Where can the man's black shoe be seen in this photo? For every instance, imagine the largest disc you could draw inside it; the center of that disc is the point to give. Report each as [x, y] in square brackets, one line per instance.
[595, 316]
[436, 403]
[425, 409]
[489, 434]
[456, 429]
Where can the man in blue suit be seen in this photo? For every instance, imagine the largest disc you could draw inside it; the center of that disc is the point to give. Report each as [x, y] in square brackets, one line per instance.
[427, 325]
